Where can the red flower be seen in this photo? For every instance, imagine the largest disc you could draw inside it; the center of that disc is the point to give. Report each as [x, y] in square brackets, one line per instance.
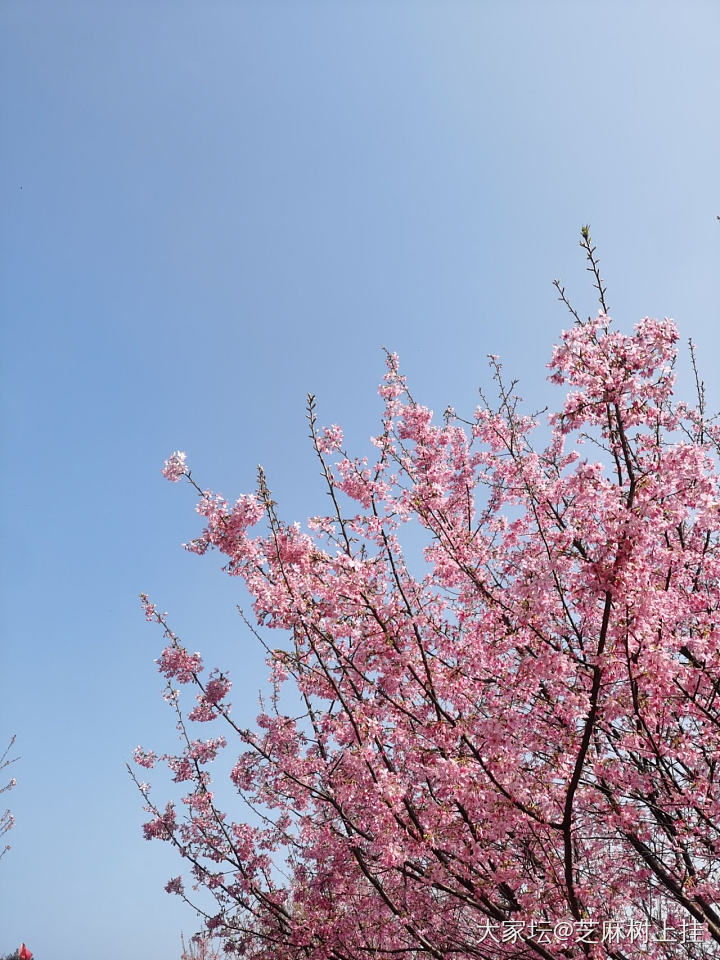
[24, 953]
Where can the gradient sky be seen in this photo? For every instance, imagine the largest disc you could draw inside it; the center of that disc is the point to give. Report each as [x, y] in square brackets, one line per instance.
[210, 209]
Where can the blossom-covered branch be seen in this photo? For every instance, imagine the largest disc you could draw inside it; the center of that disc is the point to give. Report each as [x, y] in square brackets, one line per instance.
[513, 754]
[7, 820]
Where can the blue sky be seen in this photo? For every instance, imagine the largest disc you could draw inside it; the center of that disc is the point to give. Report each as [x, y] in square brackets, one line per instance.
[210, 209]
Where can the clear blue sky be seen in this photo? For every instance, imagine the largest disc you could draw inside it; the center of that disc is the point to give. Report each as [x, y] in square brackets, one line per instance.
[210, 209]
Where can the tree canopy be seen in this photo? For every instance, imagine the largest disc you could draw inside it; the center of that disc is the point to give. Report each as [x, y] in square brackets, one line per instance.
[513, 754]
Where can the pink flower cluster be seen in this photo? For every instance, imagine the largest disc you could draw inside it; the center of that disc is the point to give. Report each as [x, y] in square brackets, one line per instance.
[331, 439]
[145, 758]
[517, 713]
[177, 663]
[163, 826]
[149, 608]
[175, 466]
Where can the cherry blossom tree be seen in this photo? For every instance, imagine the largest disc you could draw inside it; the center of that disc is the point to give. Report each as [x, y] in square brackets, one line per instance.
[7, 820]
[514, 753]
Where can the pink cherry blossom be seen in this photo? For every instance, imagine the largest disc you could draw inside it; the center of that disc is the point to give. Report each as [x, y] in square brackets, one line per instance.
[175, 662]
[145, 758]
[175, 466]
[494, 724]
[331, 439]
